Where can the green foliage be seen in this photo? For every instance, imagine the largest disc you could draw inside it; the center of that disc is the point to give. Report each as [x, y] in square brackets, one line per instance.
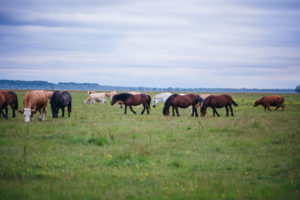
[100, 153]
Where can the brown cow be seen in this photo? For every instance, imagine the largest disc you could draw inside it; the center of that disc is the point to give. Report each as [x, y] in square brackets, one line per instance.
[4, 103]
[35, 100]
[268, 101]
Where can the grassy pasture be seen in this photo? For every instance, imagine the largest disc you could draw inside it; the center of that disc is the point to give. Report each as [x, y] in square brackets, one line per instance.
[100, 153]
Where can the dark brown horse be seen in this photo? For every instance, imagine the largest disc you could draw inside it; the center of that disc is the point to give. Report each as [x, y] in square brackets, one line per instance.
[182, 101]
[13, 102]
[218, 102]
[133, 100]
[3, 103]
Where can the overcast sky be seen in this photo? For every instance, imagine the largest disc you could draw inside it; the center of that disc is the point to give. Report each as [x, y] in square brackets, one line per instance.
[155, 43]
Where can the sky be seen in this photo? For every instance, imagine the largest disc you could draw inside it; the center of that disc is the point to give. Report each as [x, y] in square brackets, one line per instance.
[152, 43]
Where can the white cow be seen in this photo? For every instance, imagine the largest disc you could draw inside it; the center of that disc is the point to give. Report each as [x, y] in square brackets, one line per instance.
[95, 97]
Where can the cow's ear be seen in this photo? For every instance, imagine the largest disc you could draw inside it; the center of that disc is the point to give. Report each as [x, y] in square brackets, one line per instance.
[33, 111]
[21, 111]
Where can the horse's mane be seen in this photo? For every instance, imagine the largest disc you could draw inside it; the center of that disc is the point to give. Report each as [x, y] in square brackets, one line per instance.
[122, 96]
[168, 102]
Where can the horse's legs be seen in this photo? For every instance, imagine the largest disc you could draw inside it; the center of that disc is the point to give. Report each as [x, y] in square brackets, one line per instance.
[231, 110]
[63, 111]
[176, 108]
[227, 111]
[132, 110]
[215, 111]
[125, 109]
[192, 111]
[195, 110]
[69, 109]
[6, 111]
[173, 111]
[144, 107]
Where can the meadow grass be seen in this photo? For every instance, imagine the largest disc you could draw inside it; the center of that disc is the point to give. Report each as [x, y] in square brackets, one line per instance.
[100, 153]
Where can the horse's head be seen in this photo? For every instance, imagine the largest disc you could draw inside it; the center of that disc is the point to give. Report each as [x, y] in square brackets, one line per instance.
[154, 102]
[114, 100]
[166, 112]
[203, 111]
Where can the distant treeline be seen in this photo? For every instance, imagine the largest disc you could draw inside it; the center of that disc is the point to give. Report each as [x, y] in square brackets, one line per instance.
[44, 85]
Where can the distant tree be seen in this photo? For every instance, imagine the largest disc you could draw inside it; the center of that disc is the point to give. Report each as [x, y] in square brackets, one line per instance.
[297, 89]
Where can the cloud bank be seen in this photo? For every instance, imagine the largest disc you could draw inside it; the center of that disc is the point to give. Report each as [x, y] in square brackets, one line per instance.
[236, 44]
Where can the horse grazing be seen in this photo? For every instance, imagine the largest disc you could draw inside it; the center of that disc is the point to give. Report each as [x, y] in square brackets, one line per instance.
[60, 100]
[267, 101]
[218, 102]
[4, 103]
[133, 100]
[182, 101]
[13, 102]
[162, 97]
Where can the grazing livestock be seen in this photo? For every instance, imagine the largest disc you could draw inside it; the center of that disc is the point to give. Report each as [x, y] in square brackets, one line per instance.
[133, 100]
[33, 101]
[49, 94]
[60, 100]
[162, 97]
[111, 94]
[95, 97]
[4, 102]
[267, 101]
[182, 101]
[218, 102]
[91, 92]
[13, 102]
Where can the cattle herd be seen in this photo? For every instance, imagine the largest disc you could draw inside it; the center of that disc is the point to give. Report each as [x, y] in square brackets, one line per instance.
[37, 101]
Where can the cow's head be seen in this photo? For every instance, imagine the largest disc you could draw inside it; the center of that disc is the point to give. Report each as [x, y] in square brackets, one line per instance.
[28, 113]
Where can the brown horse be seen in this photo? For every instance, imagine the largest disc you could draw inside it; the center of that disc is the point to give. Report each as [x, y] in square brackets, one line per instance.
[218, 102]
[182, 101]
[133, 100]
[13, 102]
[4, 103]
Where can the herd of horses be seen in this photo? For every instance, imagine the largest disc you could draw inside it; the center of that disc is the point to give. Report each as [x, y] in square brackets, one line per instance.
[37, 100]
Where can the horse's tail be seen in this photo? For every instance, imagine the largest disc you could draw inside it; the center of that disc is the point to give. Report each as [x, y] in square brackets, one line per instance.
[168, 103]
[17, 103]
[234, 103]
[149, 101]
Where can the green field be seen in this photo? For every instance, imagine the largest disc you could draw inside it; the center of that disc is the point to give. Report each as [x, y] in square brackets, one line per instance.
[100, 153]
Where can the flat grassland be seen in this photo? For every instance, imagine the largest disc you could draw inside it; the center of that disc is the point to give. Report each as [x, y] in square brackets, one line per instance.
[100, 153]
